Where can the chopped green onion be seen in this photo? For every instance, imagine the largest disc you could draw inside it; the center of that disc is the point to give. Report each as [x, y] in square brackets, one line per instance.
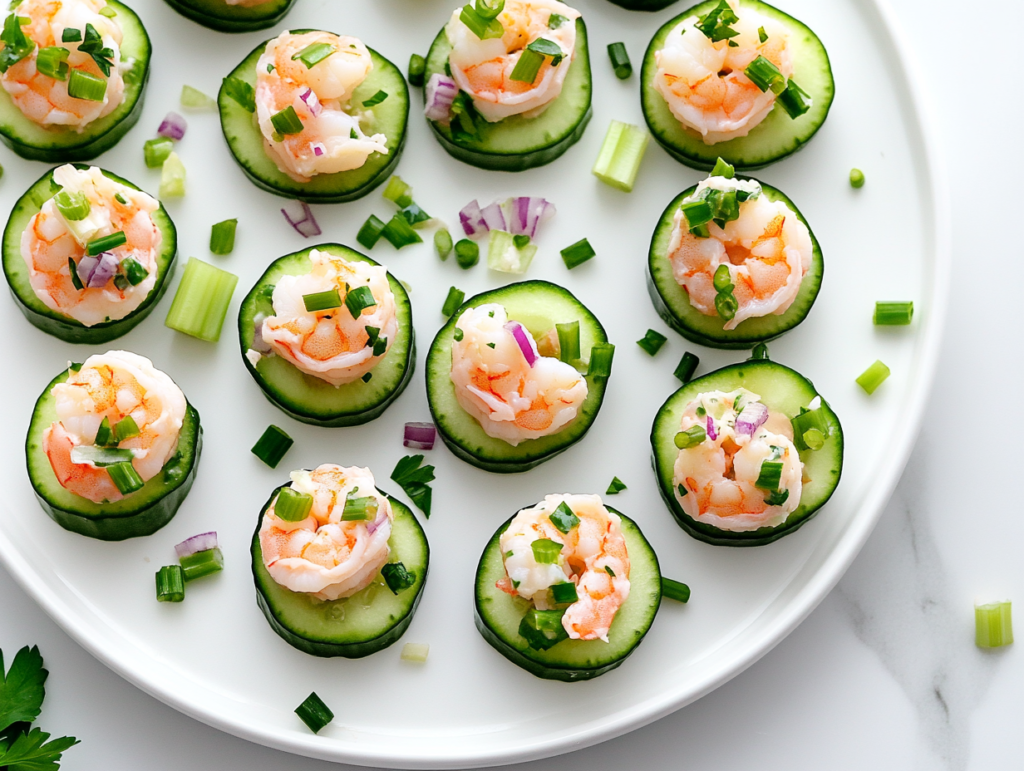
[856, 178]
[172, 177]
[398, 192]
[415, 480]
[415, 652]
[621, 152]
[52, 62]
[125, 477]
[483, 28]
[563, 518]
[286, 121]
[458, 334]
[723, 169]
[568, 341]
[467, 253]
[126, 428]
[366, 378]
[106, 243]
[417, 69]
[616, 487]
[370, 233]
[521, 241]
[556, 20]
[489, 9]
[691, 437]
[399, 232]
[202, 563]
[443, 243]
[72, 206]
[698, 214]
[546, 551]
[760, 352]
[170, 584]
[794, 100]
[133, 271]
[104, 434]
[313, 54]
[675, 590]
[452, 302]
[202, 300]
[893, 314]
[156, 151]
[272, 446]
[222, 237]
[776, 497]
[240, 91]
[546, 47]
[762, 35]
[716, 24]
[726, 305]
[83, 85]
[577, 254]
[652, 342]
[564, 593]
[770, 476]
[993, 625]
[542, 629]
[527, 67]
[292, 505]
[120, 199]
[107, 11]
[73, 270]
[359, 509]
[322, 301]
[765, 75]
[101, 457]
[687, 366]
[70, 35]
[194, 99]
[17, 45]
[810, 429]
[873, 377]
[358, 300]
[414, 215]
[376, 99]
[814, 439]
[601, 355]
[620, 60]
[397, 577]
[314, 713]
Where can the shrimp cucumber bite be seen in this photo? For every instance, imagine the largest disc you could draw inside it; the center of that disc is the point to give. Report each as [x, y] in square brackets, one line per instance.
[327, 334]
[508, 83]
[643, 5]
[746, 454]
[339, 566]
[316, 116]
[74, 74]
[735, 79]
[233, 15]
[567, 588]
[113, 447]
[733, 263]
[87, 255]
[517, 375]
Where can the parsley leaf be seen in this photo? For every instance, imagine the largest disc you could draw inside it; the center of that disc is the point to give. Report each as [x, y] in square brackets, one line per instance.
[717, 23]
[415, 480]
[93, 45]
[32, 752]
[21, 689]
[17, 45]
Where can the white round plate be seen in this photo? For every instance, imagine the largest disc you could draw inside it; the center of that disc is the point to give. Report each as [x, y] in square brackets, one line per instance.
[215, 658]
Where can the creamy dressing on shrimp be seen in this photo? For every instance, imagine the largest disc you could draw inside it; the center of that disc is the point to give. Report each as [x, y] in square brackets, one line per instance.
[332, 138]
[494, 383]
[482, 68]
[322, 555]
[51, 239]
[715, 480]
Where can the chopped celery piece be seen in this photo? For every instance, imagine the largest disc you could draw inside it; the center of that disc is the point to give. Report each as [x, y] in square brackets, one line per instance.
[619, 160]
[398, 192]
[505, 257]
[993, 625]
[156, 151]
[202, 300]
[194, 99]
[415, 652]
[172, 177]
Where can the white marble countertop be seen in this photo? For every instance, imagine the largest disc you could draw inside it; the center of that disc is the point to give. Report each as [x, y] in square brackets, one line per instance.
[884, 674]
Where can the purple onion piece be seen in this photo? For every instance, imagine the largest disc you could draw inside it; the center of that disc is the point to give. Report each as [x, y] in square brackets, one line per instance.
[381, 516]
[539, 211]
[258, 343]
[439, 96]
[472, 219]
[86, 267]
[173, 126]
[712, 434]
[104, 271]
[197, 543]
[318, 149]
[420, 436]
[306, 226]
[309, 99]
[751, 418]
[493, 217]
[524, 340]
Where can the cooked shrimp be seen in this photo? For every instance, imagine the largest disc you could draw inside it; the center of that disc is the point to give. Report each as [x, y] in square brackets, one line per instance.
[332, 139]
[113, 385]
[333, 345]
[767, 251]
[45, 100]
[51, 240]
[482, 68]
[704, 83]
[323, 555]
[593, 557]
[494, 383]
[715, 481]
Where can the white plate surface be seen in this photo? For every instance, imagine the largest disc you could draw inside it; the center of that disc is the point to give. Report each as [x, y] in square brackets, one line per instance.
[215, 658]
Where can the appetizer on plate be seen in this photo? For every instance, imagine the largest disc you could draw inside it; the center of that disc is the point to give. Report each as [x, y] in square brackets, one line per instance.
[643, 5]
[113, 447]
[87, 254]
[568, 588]
[233, 15]
[508, 83]
[327, 334]
[316, 116]
[339, 566]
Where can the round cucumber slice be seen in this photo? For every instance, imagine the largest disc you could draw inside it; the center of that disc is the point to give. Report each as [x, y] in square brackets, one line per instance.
[498, 615]
[673, 302]
[218, 15]
[782, 390]
[141, 513]
[65, 145]
[390, 118]
[53, 322]
[307, 398]
[643, 5]
[538, 305]
[356, 626]
[518, 143]
[776, 136]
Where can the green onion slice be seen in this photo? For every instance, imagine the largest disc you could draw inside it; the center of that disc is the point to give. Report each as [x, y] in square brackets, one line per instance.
[527, 67]
[467, 253]
[489, 9]
[202, 563]
[485, 29]
[399, 232]
[125, 477]
[322, 301]
[616, 487]
[893, 314]
[376, 99]
[156, 151]
[286, 121]
[691, 437]
[170, 584]
[568, 341]
[314, 713]
[397, 577]
[101, 457]
[810, 429]
[687, 366]
[126, 428]
[563, 519]
[542, 629]
[292, 505]
[652, 342]
[620, 60]
[370, 233]
[133, 271]
[443, 243]
[222, 237]
[359, 299]
[106, 243]
[417, 70]
[452, 302]
[794, 100]
[72, 206]
[398, 192]
[272, 445]
[770, 476]
[241, 92]
[564, 593]
[84, 85]
[52, 62]
[546, 551]
[104, 434]
[723, 169]
[363, 509]
[577, 254]
[675, 590]
[765, 75]
[601, 356]
[313, 54]
[873, 377]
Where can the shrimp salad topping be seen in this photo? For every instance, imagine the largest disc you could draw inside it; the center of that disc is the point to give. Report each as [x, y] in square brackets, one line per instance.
[484, 68]
[747, 262]
[511, 398]
[737, 467]
[117, 408]
[328, 554]
[304, 85]
[66, 47]
[341, 344]
[59, 239]
[568, 546]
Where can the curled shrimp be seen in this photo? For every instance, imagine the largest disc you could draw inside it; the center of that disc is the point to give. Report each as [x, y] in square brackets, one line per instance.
[323, 555]
[703, 82]
[482, 68]
[331, 139]
[494, 383]
[593, 556]
[113, 386]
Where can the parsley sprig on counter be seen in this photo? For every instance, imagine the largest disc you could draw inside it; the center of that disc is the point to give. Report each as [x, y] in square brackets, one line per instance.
[415, 480]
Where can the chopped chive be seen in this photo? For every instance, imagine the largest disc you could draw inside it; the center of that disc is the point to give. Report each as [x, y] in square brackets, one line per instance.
[83, 85]
[770, 475]
[760, 352]
[873, 377]
[417, 68]
[527, 67]
[687, 366]
[366, 378]
[71, 35]
[156, 151]
[170, 584]
[195, 99]
[313, 54]
[398, 192]
[794, 100]
[765, 75]
[652, 342]
[609, 571]
[698, 214]
[620, 60]
[546, 551]
[542, 629]
[399, 232]
[893, 314]
[101, 457]
[485, 28]
[577, 254]
[691, 437]
[241, 92]
[443, 243]
[810, 429]
[601, 355]
[359, 509]
[370, 233]
[723, 169]
[134, 272]
[222, 237]
[202, 563]
[467, 253]
[856, 178]
[314, 713]
[272, 445]
[120, 199]
[675, 590]
[993, 625]
[126, 428]
[726, 305]
[172, 178]
[417, 652]
[616, 487]
[292, 506]
[322, 301]
[72, 206]
[286, 121]
[621, 152]
[376, 99]
[202, 300]
[358, 300]
[104, 434]
[397, 577]
[52, 62]
[125, 477]
[414, 215]
[776, 497]
[762, 35]
[564, 593]
[106, 243]
[452, 302]
[568, 341]
[458, 334]
[563, 518]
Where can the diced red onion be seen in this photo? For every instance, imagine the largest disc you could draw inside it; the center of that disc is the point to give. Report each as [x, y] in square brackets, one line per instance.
[525, 341]
[518, 216]
[472, 219]
[382, 515]
[420, 436]
[173, 126]
[309, 99]
[86, 267]
[103, 272]
[258, 343]
[439, 96]
[306, 226]
[196, 544]
[494, 219]
[318, 149]
[751, 418]
[712, 434]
